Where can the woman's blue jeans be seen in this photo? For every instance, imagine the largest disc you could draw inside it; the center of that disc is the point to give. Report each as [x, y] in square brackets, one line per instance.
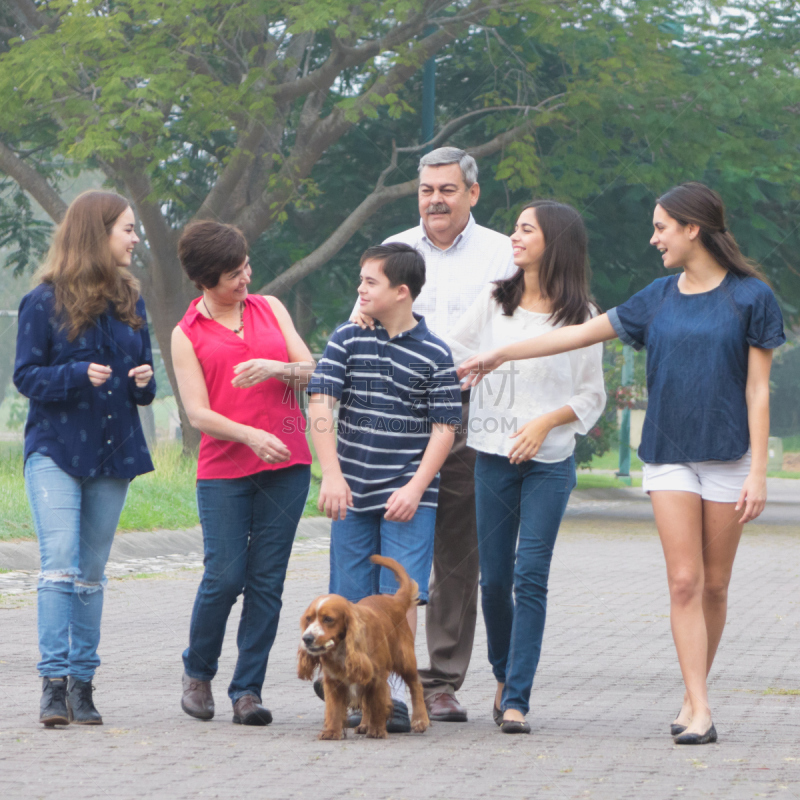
[519, 509]
[248, 529]
[75, 520]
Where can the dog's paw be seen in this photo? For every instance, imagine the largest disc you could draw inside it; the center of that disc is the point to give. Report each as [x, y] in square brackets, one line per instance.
[330, 734]
[361, 728]
[377, 733]
[419, 725]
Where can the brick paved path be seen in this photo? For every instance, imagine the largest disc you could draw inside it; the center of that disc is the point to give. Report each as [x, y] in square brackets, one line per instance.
[607, 688]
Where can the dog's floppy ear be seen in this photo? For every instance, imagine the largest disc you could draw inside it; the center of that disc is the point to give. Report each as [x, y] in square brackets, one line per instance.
[306, 664]
[357, 662]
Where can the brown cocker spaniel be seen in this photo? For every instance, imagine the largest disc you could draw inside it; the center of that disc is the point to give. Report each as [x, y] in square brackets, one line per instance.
[357, 645]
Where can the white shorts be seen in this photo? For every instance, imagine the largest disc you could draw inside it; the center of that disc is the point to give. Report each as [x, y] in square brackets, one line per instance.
[718, 481]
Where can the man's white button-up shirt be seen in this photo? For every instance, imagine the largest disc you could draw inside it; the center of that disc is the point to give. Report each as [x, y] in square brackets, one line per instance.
[455, 277]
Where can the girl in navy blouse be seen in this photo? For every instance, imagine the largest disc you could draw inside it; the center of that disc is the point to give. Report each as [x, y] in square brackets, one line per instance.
[709, 332]
[84, 361]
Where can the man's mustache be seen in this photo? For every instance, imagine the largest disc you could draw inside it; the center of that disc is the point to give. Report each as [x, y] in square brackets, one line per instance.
[438, 208]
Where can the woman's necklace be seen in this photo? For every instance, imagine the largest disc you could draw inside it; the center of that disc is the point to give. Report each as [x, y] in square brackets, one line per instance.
[537, 306]
[238, 330]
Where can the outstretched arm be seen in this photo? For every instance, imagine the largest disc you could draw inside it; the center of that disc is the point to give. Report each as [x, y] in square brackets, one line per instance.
[562, 340]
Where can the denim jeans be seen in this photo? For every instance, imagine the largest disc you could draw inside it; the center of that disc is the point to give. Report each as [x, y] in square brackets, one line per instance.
[519, 509]
[248, 529]
[75, 520]
[362, 534]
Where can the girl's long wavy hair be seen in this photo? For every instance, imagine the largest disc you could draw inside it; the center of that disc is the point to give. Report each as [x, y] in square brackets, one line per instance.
[83, 272]
[694, 203]
[564, 271]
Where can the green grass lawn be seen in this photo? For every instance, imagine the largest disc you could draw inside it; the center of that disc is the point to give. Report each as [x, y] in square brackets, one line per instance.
[586, 480]
[610, 460]
[166, 498]
[791, 444]
[161, 499]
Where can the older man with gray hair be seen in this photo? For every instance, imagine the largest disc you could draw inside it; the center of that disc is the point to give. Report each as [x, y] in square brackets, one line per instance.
[461, 257]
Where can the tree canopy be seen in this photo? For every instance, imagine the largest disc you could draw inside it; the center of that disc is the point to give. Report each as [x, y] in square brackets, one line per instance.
[299, 121]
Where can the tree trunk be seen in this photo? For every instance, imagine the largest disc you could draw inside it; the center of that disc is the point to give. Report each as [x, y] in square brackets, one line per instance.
[303, 315]
[166, 305]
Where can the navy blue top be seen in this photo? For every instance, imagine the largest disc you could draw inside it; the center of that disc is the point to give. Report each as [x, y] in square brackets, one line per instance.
[391, 392]
[697, 350]
[88, 431]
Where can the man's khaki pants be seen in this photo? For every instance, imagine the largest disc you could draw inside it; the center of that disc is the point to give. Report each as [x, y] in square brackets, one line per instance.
[453, 605]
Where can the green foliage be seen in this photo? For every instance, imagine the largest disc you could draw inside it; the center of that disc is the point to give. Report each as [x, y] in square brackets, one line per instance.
[784, 406]
[597, 441]
[621, 101]
[20, 230]
[17, 413]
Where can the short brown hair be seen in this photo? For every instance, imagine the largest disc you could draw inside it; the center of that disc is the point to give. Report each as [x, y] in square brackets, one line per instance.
[401, 264]
[208, 250]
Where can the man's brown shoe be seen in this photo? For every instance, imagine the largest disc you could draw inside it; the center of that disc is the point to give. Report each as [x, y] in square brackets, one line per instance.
[443, 707]
[248, 711]
[197, 700]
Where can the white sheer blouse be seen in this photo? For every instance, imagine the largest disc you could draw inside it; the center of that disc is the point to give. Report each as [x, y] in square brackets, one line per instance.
[522, 390]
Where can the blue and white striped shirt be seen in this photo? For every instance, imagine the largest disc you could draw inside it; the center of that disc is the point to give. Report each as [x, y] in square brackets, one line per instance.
[391, 392]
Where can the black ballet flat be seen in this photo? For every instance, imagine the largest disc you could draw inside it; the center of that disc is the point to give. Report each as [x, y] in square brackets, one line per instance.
[514, 726]
[497, 715]
[709, 737]
[676, 730]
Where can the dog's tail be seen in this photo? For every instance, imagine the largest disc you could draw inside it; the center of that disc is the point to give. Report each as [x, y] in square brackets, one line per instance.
[408, 593]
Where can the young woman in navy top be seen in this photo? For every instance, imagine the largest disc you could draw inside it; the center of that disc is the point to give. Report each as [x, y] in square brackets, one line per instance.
[84, 361]
[709, 333]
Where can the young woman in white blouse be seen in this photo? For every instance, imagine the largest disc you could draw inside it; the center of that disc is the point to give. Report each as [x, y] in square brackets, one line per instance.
[523, 425]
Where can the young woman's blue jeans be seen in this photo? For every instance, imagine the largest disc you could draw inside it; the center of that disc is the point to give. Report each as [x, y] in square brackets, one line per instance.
[248, 529]
[519, 509]
[75, 520]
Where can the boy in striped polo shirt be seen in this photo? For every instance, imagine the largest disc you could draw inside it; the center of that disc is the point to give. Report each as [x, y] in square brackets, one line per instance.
[399, 404]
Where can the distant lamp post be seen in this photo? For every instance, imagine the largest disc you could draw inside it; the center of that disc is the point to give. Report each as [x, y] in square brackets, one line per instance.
[624, 472]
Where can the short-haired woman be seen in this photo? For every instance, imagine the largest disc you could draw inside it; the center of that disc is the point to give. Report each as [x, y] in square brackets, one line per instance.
[523, 479]
[84, 361]
[709, 332]
[238, 361]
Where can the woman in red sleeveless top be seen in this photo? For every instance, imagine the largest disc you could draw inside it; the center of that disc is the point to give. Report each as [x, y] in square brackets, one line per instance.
[238, 361]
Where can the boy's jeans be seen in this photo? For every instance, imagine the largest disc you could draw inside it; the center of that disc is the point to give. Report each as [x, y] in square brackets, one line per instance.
[75, 520]
[365, 533]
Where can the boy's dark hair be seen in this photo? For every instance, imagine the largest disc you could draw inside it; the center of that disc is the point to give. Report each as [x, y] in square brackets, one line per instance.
[401, 264]
[207, 250]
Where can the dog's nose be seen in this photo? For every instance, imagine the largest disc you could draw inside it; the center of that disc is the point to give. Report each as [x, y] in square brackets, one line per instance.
[308, 639]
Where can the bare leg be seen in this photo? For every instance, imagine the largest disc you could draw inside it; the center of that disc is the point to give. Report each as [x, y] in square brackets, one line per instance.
[679, 519]
[721, 535]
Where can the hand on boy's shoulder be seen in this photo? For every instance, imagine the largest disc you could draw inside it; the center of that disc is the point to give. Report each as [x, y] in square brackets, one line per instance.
[363, 321]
